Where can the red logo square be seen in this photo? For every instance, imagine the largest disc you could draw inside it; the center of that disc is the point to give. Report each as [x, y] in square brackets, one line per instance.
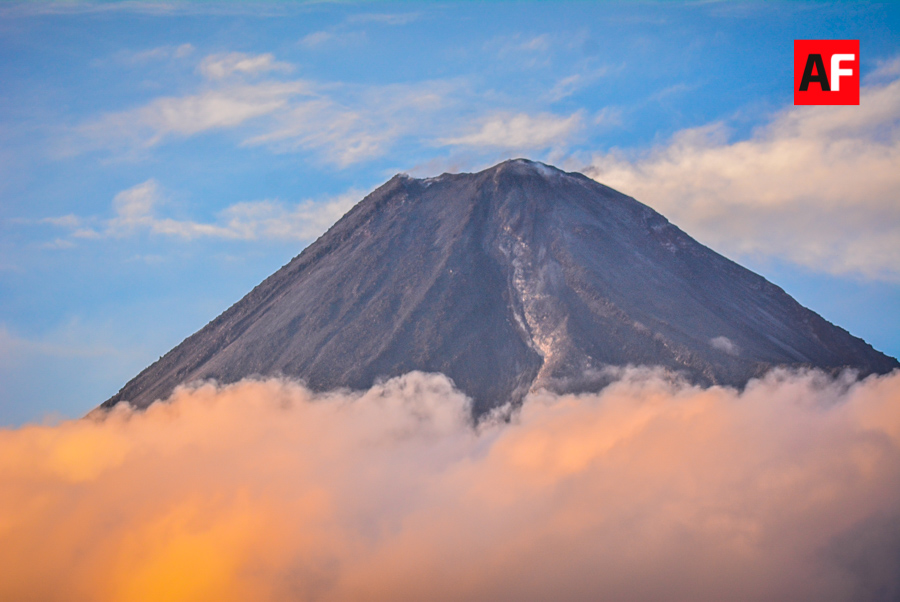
[826, 72]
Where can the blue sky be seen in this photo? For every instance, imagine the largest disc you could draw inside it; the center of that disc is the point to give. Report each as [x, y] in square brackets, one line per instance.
[159, 160]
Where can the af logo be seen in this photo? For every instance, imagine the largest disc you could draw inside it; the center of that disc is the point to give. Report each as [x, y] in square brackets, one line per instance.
[826, 72]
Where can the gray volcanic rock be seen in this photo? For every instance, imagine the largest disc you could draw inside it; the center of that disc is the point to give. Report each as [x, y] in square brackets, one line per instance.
[518, 277]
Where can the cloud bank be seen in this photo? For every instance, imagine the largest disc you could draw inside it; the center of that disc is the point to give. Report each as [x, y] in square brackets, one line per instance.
[816, 186]
[647, 491]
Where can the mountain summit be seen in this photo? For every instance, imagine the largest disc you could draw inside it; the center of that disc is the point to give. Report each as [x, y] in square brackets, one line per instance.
[518, 277]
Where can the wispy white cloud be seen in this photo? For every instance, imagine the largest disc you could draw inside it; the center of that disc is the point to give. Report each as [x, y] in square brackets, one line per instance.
[183, 50]
[65, 221]
[345, 135]
[163, 52]
[58, 243]
[362, 124]
[886, 69]
[319, 39]
[541, 42]
[66, 8]
[348, 32]
[520, 131]
[521, 51]
[342, 123]
[608, 116]
[141, 7]
[519, 43]
[385, 18]
[272, 219]
[220, 66]
[817, 186]
[568, 85]
[136, 211]
[672, 90]
[159, 53]
[219, 108]
[565, 87]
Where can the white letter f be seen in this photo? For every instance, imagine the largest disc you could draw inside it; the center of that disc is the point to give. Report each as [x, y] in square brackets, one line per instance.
[837, 72]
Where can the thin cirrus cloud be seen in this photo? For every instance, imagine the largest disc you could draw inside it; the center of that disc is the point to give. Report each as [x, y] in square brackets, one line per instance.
[649, 490]
[889, 68]
[816, 186]
[136, 212]
[341, 134]
[521, 46]
[571, 84]
[520, 131]
[520, 52]
[222, 108]
[318, 39]
[219, 66]
[159, 53]
[344, 34]
[363, 123]
[342, 123]
[345, 124]
[385, 18]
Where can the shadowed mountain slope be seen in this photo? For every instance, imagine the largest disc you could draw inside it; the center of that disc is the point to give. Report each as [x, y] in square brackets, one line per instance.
[514, 278]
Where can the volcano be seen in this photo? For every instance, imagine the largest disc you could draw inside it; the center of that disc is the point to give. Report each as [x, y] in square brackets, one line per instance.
[512, 279]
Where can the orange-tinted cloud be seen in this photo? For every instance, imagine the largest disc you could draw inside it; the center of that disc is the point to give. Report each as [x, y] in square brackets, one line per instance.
[647, 491]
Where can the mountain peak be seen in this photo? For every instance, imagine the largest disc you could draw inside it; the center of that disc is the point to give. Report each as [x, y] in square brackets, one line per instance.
[518, 277]
[527, 166]
[516, 167]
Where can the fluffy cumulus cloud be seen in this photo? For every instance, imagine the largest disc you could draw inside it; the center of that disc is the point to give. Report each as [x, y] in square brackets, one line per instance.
[136, 211]
[647, 491]
[816, 186]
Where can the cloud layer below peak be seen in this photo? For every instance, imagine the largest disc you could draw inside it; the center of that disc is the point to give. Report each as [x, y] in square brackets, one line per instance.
[649, 490]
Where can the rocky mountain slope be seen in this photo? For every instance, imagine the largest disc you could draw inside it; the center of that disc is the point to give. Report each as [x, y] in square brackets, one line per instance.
[518, 277]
